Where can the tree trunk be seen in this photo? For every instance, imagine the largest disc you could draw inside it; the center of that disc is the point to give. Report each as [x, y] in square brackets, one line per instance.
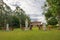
[7, 27]
[26, 24]
[44, 26]
[20, 25]
[58, 20]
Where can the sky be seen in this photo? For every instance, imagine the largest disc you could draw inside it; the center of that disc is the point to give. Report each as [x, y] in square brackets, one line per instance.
[33, 8]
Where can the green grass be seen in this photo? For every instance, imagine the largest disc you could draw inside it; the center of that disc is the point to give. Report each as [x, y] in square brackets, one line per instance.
[34, 34]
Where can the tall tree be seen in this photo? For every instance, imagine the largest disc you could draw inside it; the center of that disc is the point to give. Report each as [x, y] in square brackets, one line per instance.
[8, 11]
[55, 8]
[1, 13]
[5, 14]
[20, 13]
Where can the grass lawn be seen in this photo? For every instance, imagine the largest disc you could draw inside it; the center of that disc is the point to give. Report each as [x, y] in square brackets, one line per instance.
[34, 34]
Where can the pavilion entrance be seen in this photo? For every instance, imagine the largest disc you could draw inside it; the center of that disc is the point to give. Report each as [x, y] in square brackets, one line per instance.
[36, 24]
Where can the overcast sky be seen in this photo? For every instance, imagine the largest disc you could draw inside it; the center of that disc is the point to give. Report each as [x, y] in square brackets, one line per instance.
[31, 7]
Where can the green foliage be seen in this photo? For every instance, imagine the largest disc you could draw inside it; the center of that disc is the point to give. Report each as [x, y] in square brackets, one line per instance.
[48, 14]
[52, 21]
[20, 13]
[14, 22]
[13, 18]
[54, 7]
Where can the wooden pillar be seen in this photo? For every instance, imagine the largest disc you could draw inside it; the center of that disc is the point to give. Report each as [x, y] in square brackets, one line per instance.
[31, 27]
[38, 27]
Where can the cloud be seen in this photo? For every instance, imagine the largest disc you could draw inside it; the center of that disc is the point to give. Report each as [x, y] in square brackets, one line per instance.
[31, 7]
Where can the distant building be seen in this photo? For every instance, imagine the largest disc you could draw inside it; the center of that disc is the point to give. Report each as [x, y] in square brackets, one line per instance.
[36, 23]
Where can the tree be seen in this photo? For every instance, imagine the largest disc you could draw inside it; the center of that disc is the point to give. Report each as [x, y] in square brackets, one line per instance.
[12, 18]
[14, 22]
[5, 11]
[52, 21]
[48, 14]
[1, 13]
[55, 8]
[20, 14]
